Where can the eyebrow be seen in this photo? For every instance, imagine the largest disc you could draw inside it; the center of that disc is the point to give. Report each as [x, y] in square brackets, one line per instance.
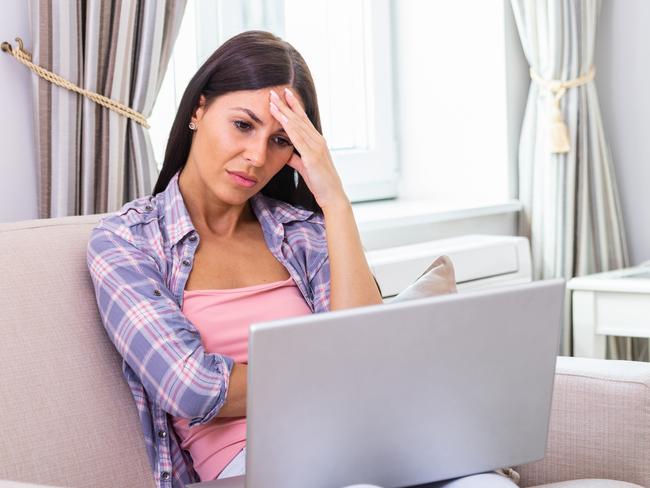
[255, 118]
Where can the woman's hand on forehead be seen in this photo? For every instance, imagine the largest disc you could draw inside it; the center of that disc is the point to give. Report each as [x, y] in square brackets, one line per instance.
[314, 162]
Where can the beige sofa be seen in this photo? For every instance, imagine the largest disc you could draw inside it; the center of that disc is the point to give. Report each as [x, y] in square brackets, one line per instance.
[67, 417]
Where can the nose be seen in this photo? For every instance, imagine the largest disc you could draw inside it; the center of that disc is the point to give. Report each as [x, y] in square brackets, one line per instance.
[256, 153]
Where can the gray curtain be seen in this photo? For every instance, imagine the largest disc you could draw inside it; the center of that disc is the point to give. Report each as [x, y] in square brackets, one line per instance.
[91, 159]
[572, 212]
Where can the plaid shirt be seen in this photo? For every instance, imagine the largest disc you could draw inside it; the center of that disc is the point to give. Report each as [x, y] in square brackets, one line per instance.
[139, 260]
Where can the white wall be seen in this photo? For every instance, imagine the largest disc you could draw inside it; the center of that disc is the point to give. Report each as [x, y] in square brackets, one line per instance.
[17, 137]
[623, 81]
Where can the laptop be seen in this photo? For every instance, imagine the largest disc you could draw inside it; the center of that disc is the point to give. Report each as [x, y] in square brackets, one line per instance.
[402, 394]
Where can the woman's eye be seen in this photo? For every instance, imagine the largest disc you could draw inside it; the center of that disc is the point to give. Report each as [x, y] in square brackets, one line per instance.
[241, 125]
[245, 127]
[282, 142]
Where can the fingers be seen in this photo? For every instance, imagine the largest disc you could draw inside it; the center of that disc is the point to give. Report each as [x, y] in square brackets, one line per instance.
[275, 110]
[296, 135]
[294, 103]
[289, 116]
[296, 163]
[289, 101]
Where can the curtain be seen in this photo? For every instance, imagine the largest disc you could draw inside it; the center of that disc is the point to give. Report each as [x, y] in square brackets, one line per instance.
[572, 212]
[91, 159]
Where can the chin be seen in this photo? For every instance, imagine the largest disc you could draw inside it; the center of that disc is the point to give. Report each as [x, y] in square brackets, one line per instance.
[233, 196]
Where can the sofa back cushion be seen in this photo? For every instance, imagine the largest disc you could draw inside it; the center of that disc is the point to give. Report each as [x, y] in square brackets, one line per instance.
[67, 415]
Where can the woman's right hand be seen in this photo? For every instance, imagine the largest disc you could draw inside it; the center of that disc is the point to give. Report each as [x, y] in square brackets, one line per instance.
[235, 404]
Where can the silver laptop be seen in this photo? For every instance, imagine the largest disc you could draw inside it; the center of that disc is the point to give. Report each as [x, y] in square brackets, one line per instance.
[402, 394]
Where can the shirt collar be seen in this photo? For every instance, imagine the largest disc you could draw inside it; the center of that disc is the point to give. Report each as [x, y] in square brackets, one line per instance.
[177, 219]
[277, 211]
[272, 214]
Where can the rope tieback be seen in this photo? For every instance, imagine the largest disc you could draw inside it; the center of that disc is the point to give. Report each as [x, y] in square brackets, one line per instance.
[26, 58]
[558, 130]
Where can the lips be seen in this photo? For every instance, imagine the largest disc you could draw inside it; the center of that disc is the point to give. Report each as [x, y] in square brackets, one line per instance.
[242, 179]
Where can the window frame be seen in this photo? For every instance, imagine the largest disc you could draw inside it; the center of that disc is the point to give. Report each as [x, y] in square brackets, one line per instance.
[373, 173]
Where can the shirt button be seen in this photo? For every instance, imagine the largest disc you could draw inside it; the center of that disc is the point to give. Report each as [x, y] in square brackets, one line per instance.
[148, 208]
[157, 293]
[186, 262]
[164, 475]
[162, 434]
[192, 237]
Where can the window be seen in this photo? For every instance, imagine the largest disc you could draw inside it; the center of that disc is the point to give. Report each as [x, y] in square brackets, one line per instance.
[452, 100]
[348, 55]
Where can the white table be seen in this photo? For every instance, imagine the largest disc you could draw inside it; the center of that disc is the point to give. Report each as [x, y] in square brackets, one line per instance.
[612, 303]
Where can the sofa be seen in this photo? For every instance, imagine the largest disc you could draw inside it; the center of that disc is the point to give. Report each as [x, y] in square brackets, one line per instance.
[68, 419]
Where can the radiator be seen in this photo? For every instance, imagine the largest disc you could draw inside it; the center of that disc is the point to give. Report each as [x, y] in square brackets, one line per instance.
[480, 261]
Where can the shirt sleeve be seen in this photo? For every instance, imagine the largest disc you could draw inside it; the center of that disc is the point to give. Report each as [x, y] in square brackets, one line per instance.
[148, 329]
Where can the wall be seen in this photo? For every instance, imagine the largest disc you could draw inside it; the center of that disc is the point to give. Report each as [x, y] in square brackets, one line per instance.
[623, 82]
[17, 137]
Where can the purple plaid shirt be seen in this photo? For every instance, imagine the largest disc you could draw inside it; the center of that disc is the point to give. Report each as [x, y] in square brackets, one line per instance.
[139, 260]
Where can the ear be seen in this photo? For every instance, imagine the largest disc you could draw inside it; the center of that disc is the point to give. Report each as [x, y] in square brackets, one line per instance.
[199, 111]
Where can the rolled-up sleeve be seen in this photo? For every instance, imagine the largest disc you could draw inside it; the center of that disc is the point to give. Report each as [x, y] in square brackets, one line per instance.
[148, 329]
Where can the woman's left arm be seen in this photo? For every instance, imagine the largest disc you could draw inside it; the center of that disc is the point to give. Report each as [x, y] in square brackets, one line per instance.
[351, 282]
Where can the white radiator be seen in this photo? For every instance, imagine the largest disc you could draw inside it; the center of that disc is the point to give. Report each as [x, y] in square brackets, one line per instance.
[479, 261]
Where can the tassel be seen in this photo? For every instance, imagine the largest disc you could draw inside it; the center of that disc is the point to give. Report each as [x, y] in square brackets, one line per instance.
[558, 132]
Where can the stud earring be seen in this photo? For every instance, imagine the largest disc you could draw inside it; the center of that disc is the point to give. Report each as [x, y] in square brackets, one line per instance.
[192, 126]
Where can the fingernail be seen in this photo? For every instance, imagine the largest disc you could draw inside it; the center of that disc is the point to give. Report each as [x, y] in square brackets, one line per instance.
[288, 91]
[273, 106]
[274, 95]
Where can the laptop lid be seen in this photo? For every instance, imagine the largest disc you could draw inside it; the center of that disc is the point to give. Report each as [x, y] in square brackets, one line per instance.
[406, 393]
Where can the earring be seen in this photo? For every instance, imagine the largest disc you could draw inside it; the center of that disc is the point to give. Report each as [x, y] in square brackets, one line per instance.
[192, 126]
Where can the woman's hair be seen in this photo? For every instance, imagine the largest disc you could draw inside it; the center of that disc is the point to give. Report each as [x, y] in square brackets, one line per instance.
[249, 61]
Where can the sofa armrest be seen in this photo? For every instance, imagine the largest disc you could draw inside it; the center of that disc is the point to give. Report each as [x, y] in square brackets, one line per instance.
[599, 426]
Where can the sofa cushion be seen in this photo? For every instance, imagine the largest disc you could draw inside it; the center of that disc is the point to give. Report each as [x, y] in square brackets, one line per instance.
[592, 483]
[68, 417]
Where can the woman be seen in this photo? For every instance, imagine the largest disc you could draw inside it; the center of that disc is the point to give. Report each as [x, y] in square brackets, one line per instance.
[234, 233]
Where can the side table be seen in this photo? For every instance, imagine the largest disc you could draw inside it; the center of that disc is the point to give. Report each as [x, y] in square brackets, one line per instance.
[612, 303]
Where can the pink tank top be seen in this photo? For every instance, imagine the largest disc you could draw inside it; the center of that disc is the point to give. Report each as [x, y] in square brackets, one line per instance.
[222, 318]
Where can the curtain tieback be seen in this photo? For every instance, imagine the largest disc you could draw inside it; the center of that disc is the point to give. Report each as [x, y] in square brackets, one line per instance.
[558, 130]
[26, 58]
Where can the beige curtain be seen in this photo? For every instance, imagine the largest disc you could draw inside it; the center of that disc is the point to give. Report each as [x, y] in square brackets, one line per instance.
[572, 212]
[93, 160]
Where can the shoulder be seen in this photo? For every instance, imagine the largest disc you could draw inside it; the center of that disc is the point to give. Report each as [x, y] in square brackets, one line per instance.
[136, 223]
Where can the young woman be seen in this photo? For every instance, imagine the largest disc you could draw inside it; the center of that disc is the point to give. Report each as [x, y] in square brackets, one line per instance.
[248, 222]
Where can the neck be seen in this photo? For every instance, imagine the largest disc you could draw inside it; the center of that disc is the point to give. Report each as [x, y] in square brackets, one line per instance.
[208, 214]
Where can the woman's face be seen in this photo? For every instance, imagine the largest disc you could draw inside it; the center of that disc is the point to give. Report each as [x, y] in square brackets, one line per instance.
[238, 146]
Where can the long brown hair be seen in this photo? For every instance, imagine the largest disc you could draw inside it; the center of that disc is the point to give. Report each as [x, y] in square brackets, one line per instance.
[249, 61]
